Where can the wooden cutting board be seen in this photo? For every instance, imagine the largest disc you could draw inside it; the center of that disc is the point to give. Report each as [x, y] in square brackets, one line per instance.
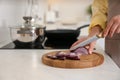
[86, 61]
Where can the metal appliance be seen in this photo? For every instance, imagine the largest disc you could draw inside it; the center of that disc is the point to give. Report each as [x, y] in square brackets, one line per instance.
[29, 35]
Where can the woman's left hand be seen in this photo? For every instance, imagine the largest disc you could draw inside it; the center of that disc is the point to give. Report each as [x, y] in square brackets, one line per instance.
[112, 27]
[94, 31]
[90, 46]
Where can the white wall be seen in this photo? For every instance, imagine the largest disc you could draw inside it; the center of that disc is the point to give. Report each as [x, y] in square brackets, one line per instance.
[74, 8]
[10, 14]
[12, 11]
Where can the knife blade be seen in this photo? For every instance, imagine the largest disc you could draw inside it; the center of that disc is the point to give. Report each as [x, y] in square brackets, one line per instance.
[89, 40]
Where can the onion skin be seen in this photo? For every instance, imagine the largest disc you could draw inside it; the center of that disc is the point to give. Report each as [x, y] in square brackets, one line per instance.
[73, 56]
[51, 57]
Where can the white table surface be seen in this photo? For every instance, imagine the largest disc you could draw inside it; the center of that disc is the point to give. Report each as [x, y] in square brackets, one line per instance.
[27, 65]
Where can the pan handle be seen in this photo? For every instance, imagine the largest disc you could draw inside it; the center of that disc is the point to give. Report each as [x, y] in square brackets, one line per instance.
[78, 29]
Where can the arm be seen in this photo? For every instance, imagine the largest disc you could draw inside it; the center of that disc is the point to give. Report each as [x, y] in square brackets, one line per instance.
[99, 14]
[98, 22]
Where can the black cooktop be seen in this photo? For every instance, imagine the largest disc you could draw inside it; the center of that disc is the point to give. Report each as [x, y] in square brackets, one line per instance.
[48, 44]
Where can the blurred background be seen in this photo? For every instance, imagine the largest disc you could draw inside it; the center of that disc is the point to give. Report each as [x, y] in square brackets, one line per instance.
[54, 14]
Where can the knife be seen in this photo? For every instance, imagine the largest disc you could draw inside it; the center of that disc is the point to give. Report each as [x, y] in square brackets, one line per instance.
[89, 40]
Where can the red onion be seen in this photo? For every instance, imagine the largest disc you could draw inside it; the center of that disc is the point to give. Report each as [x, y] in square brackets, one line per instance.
[81, 51]
[73, 55]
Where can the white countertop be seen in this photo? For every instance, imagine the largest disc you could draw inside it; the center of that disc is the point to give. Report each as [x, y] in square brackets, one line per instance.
[27, 65]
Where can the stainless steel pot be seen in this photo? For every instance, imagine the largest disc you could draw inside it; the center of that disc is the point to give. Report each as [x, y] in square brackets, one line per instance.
[28, 34]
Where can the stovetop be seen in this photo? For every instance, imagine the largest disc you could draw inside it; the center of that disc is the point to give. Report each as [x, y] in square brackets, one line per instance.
[48, 44]
[12, 46]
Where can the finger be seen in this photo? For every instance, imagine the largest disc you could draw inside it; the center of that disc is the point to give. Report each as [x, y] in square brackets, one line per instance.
[113, 29]
[106, 31]
[92, 45]
[77, 42]
[118, 29]
[87, 47]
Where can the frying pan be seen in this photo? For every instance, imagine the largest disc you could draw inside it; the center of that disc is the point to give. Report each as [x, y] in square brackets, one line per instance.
[62, 38]
[64, 34]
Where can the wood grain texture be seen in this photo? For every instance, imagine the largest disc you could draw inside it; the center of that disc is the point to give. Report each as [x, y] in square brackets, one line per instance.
[86, 61]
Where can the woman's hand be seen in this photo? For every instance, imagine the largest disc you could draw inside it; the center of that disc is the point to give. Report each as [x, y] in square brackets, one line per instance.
[94, 31]
[112, 27]
[90, 46]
